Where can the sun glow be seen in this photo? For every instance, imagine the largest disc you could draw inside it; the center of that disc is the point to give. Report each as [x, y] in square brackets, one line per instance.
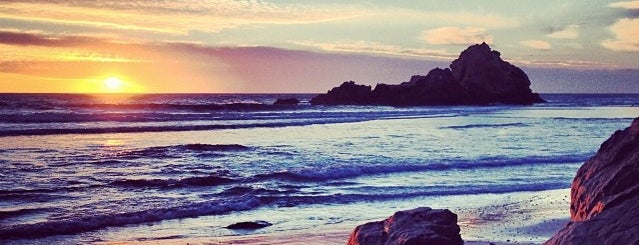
[113, 84]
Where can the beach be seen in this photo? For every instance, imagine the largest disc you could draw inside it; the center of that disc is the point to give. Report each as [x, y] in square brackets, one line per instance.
[513, 218]
[180, 168]
[303, 122]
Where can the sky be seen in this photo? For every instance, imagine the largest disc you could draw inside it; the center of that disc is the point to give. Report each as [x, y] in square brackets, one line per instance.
[227, 46]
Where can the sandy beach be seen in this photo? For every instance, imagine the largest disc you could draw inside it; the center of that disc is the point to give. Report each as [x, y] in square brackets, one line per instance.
[511, 218]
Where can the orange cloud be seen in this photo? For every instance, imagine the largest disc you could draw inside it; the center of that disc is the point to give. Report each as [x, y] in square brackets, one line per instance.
[161, 16]
[376, 48]
[82, 63]
[455, 35]
[626, 36]
[625, 5]
[536, 44]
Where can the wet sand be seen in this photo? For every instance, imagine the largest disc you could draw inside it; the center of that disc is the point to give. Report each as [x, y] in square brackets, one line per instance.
[512, 218]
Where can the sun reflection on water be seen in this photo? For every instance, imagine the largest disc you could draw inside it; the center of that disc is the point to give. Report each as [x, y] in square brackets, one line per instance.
[113, 142]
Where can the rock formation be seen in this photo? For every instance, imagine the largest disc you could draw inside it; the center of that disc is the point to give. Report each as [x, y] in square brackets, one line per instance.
[348, 93]
[411, 227]
[604, 206]
[479, 76]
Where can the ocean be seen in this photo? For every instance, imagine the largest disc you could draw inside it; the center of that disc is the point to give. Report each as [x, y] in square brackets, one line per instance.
[112, 168]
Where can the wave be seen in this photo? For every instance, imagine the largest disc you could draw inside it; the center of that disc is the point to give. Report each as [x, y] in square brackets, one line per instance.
[417, 191]
[170, 106]
[243, 198]
[26, 191]
[155, 106]
[141, 129]
[74, 117]
[210, 180]
[176, 151]
[209, 147]
[247, 198]
[250, 123]
[593, 119]
[88, 223]
[151, 116]
[486, 126]
[336, 172]
[4, 214]
[106, 162]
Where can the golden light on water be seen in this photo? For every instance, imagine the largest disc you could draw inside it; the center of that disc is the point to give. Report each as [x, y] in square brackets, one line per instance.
[113, 142]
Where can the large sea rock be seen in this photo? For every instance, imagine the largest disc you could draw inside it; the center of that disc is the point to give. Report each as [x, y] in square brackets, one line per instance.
[411, 227]
[604, 206]
[479, 76]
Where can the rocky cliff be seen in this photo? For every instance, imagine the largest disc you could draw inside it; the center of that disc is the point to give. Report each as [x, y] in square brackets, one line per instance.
[604, 205]
[479, 76]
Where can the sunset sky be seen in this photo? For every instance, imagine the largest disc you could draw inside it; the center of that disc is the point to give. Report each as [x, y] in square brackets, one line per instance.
[307, 46]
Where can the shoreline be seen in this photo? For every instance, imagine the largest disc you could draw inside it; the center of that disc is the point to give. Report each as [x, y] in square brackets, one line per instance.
[508, 218]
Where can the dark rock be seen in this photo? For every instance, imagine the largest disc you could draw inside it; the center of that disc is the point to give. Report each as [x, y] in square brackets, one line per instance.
[438, 87]
[288, 101]
[482, 73]
[411, 227]
[479, 76]
[348, 93]
[604, 206]
[252, 225]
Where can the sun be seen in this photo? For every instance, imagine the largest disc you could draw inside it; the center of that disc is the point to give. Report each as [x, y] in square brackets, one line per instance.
[113, 83]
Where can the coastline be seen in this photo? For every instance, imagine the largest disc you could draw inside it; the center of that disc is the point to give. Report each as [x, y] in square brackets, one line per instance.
[508, 218]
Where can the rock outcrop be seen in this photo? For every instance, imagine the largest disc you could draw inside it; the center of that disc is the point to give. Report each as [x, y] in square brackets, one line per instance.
[348, 93]
[411, 227]
[479, 76]
[604, 206]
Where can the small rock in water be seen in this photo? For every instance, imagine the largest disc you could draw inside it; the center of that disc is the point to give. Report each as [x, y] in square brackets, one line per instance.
[287, 101]
[251, 225]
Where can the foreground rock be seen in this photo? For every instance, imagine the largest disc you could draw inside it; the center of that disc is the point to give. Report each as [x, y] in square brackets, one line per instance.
[251, 225]
[605, 194]
[479, 76]
[417, 226]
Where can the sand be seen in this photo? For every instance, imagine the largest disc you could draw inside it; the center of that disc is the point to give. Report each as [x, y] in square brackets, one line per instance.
[510, 218]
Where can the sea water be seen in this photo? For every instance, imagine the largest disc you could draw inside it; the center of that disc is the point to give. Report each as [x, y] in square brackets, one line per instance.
[95, 168]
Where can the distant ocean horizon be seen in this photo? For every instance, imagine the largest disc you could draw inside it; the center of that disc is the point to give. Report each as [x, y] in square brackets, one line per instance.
[85, 168]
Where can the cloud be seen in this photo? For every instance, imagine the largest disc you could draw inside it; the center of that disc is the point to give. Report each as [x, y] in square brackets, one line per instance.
[10, 37]
[536, 44]
[626, 36]
[375, 48]
[450, 18]
[456, 36]
[40, 46]
[567, 63]
[173, 17]
[566, 32]
[189, 67]
[625, 5]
